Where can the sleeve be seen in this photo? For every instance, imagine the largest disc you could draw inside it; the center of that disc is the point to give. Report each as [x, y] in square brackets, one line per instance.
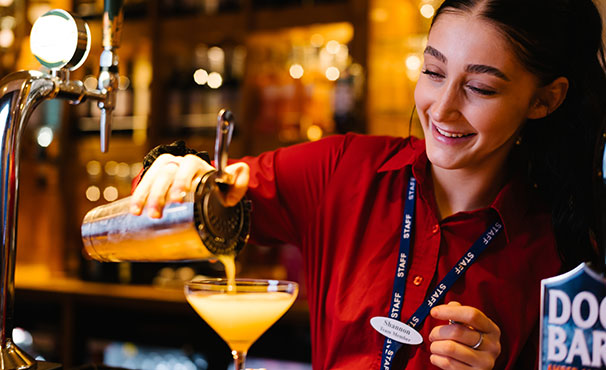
[287, 185]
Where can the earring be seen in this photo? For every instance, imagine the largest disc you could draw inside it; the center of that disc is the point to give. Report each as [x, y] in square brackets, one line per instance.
[519, 141]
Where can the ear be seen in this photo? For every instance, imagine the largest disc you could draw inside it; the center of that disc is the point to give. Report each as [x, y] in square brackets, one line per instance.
[548, 98]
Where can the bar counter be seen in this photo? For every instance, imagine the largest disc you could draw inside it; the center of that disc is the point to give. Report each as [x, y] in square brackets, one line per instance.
[78, 313]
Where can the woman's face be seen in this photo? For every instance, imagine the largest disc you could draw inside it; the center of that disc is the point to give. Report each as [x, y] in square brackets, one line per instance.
[473, 95]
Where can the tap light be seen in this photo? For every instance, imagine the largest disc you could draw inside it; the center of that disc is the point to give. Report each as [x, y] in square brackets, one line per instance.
[59, 40]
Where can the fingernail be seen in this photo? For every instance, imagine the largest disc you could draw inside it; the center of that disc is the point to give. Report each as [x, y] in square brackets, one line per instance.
[178, 195]
[154, 213]
[135, 209]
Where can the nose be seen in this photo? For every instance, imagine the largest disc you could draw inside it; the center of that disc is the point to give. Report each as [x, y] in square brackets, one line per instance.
[446, 105]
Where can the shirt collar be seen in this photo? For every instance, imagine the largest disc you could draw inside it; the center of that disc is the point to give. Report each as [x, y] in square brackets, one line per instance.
[511, 203]
[411, 154]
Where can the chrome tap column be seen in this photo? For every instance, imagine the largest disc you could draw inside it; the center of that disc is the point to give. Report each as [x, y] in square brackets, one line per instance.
[20, 93]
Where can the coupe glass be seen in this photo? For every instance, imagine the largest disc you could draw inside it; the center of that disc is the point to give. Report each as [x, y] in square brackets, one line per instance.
[242, 314]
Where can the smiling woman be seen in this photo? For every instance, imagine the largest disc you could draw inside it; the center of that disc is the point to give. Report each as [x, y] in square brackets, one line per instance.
[473, 99]
[450, 235]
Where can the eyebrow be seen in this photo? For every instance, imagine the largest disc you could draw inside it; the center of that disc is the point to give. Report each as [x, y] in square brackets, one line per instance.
[471, 68]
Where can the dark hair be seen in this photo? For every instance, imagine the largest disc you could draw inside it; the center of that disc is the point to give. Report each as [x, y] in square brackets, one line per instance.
[554, 38]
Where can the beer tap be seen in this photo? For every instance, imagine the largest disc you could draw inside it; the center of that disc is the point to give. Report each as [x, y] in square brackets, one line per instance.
[60, 42]
[108, 66]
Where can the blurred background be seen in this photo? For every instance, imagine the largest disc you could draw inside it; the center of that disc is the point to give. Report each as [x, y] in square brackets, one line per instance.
[290, 70]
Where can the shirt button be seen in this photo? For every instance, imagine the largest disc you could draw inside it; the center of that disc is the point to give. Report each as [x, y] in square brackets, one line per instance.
[417, 280]
[436, 229]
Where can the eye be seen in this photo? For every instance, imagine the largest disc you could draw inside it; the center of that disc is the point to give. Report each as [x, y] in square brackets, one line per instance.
[481, 91]
[432, 75]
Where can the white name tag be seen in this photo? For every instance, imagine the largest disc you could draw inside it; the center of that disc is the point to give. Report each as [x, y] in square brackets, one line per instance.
[396, 330]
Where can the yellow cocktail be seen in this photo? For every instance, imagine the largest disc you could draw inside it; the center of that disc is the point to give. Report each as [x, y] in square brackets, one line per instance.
[242, 314]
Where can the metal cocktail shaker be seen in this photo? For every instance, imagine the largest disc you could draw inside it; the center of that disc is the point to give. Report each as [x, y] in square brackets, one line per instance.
[201, 227]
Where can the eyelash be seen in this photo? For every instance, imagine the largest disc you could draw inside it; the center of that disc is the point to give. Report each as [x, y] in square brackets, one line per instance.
[435, 75]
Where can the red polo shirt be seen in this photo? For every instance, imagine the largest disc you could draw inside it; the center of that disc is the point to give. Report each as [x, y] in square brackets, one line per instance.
[341, 200]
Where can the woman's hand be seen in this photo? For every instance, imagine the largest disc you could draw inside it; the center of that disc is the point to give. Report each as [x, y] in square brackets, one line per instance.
[170, 178]
[470, 341]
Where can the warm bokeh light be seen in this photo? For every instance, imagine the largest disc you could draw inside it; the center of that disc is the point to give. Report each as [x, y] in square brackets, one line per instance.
[123, 169]
[333, 47]
[93, 168]
[6, 2]
[427, 10]
[296, 71]
[7, 37]
[45, 136]
[214, 80]
[90, 82]
[8, 22]
[216, 58]
[35, 11]
[200, 76]
[356, 69]
[123, 83]
[135, 169]
[314, 132]
[332, 73]
[317, 40]
[111, 168]
[110, 193]
[413, 62]
[93, 193]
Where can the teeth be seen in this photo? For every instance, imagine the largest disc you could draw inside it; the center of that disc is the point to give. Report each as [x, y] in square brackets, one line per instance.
[448, 134]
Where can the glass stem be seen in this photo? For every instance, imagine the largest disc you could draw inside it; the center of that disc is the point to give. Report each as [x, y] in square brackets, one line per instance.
[239, 357]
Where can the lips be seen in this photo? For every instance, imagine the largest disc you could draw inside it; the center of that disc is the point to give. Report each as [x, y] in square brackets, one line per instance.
[451, 134]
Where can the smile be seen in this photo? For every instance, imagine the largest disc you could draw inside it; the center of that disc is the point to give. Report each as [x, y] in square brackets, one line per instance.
[453, 135]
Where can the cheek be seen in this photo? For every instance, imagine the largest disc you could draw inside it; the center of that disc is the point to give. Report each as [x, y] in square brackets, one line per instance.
[422, 100]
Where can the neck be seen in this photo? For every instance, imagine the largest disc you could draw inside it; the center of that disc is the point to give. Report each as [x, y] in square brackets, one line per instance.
[463, 190]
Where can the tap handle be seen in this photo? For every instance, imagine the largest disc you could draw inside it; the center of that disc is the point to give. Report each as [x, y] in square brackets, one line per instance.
[225, 128]
[108, 66]
[105, 128]
[112, 23]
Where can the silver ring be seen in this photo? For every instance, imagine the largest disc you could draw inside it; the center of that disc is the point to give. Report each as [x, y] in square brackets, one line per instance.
[475, 346]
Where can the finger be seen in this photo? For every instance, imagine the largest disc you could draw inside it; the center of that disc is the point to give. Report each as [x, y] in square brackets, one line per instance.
[190, 168]
[240, 173]
[445, 362]
[457, 332]
[159, 191]
[466, 315]
[462, 354]
[141, 193]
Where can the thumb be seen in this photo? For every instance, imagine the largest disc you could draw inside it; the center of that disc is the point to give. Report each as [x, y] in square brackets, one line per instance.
[240, 175]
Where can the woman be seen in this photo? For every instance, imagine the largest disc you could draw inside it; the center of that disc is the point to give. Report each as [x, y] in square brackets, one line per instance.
[510, 104]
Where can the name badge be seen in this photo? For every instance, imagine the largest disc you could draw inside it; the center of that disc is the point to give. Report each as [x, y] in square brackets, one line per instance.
[396, 330]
